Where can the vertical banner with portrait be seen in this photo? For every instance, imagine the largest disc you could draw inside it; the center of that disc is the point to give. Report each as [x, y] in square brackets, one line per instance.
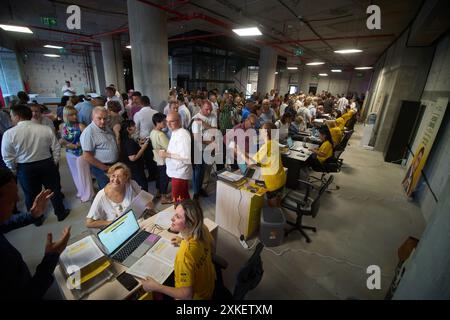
[433, 122]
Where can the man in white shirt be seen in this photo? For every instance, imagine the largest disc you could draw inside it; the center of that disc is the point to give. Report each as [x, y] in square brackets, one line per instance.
[214, 103]
[67, 90]
[144, 125]
[184, 112]
[39, 119]
[178, 158]
[33, 152]
[201, 122]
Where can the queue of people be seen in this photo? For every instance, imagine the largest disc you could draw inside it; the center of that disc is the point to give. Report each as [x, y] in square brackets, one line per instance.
[124, 144]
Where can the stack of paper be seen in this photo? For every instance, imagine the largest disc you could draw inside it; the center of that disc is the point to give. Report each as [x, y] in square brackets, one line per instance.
[230, 176]
[157, 263]
[84, 264]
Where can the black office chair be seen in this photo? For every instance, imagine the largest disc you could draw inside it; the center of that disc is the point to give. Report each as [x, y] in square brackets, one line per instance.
[304, 204]
[247, 279]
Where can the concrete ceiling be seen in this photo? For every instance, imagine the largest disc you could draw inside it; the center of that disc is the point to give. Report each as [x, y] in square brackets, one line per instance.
[318, 26]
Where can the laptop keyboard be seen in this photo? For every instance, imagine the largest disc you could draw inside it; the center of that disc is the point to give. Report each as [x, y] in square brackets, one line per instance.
[128, 249]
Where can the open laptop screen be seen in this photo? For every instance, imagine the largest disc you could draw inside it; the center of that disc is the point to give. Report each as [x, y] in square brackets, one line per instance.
[119, 231]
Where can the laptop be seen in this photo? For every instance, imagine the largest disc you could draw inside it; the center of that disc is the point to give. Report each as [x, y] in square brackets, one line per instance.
[124, 241]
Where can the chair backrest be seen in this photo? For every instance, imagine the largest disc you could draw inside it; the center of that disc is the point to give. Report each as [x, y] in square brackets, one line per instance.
[250, 275]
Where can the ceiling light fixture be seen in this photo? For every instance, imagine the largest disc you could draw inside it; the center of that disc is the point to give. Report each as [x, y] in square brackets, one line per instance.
[292, 68]
[336, 70]
[276, 73]
[323, 74]
[128, 47]
[50, 55]
[315, 63]
[345, 51]
[52, 46]
[8, 27]
[363, 68]
[246, 32]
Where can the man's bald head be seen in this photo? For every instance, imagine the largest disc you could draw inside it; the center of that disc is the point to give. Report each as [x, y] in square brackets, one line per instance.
[173, 120]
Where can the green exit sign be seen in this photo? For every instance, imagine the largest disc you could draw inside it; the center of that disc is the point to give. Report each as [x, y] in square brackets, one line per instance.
[298, 52]
[49, 21]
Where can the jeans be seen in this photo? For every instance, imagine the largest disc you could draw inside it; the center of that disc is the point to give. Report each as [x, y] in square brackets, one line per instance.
[32, 176]
[100, 176]
[197, 178]
[163, 180]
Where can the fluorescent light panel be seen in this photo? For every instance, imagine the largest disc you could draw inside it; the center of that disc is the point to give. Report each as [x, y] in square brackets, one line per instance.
[128, 47]
[246, 32]
[345, 51]
[50, 55]
[52, 46]
[323, 74]
[292, 68]
[276, 73]
[315, 63]
[336, 70]
[8, 27]
[363, 68]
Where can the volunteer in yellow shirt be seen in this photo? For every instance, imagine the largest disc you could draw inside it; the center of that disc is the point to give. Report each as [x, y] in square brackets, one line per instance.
[194, 271]
[335, 131]
[340, 123]
[272, 171]
[324, 152]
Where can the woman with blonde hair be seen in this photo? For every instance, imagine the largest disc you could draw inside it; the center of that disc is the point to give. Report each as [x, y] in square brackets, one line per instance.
[194, 271]
[115, 199]
[70, 131]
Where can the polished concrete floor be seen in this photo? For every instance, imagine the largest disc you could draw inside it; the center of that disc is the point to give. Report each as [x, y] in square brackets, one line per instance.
[362, 223]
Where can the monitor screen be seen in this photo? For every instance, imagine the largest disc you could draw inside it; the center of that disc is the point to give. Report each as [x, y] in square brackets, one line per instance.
[119, 231]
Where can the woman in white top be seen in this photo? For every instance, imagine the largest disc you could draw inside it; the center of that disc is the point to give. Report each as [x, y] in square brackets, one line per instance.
[113, 200]
[283, 125]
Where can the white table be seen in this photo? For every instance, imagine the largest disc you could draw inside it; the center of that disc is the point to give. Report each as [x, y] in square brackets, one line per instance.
[112, 289]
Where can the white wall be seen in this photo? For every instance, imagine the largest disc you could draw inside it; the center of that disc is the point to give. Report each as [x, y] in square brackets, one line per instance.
[437, 168]
[46, 76]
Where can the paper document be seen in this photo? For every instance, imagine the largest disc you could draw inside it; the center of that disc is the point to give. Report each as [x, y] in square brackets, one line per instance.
[163, 219]
[164, 250]
[150, 266]
[81, 253]
[139, 203]
[230, 176]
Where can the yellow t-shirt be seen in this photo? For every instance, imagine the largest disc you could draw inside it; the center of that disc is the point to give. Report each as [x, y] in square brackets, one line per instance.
[347, 116]
[194, 267]
[341, 123]
[272, 170]
[336, 135]
[326, 148]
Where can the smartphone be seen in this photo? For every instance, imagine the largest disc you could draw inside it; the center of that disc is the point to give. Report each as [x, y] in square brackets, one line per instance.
[127, 280]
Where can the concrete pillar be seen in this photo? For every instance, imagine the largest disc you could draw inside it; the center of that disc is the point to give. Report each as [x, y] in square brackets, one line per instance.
[98, 71]
[267, 68]
[149, 51]
[113, 62]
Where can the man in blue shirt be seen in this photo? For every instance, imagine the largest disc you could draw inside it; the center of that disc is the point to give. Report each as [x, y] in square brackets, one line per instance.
[16, 281]
[249, 108]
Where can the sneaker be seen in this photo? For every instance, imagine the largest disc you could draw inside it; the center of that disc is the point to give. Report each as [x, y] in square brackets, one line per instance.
[64, 215]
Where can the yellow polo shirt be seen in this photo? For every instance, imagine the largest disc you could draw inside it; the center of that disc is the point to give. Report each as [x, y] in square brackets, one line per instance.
[272, 171]
[326, 148]
[336, 135]
[194, 267]
[347, 116]
[341, 123]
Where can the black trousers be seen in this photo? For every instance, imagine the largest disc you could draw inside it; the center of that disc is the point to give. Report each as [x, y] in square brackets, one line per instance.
[32, 176]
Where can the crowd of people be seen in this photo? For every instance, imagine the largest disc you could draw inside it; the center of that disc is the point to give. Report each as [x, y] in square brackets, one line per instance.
[124, 143]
